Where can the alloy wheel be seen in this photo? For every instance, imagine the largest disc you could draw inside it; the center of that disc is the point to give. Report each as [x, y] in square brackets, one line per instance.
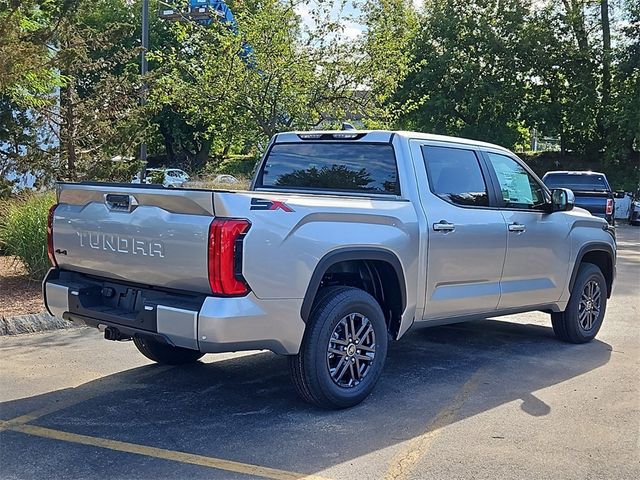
[590, 305]
[351, 350]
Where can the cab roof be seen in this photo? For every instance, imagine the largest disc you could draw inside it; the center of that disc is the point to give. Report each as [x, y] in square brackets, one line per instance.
[382, 136]
[574, 172]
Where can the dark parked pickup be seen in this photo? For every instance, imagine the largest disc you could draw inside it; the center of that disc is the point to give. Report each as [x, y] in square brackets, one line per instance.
[591, 189]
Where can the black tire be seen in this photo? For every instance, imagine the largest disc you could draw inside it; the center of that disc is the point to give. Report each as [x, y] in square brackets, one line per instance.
[569, 325]
[165, 354]
[310, 369]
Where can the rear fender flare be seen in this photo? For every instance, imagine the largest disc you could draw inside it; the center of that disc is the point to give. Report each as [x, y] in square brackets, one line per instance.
[345, 254]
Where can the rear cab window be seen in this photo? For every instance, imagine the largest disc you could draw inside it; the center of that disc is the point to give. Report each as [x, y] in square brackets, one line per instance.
[579, 182]
[331, 166]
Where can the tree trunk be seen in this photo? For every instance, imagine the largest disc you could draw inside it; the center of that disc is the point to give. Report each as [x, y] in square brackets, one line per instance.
[606, 53]
[576, 20]
[202, 155]
[167, 138]
[67, 128]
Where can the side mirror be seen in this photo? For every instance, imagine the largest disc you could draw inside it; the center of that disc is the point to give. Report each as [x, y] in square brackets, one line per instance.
[620, 194]
[562, 200]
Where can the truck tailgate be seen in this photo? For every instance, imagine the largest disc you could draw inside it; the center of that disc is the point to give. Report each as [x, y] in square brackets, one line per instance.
[140, 234]
[594, 202]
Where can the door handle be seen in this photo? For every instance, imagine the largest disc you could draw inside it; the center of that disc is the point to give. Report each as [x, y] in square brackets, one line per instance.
[517, 227]
[123, 203]
[444, 226]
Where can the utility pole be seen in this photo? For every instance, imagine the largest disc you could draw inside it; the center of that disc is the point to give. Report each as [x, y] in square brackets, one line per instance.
[606, 66]
[143, 71]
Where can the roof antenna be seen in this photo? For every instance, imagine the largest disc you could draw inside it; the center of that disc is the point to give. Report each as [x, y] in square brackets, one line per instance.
[347, 126]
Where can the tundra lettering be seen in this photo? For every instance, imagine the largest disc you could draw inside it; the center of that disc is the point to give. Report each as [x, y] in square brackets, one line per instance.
[120, 244]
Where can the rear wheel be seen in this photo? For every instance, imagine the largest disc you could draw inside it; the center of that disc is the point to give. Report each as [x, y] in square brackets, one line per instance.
[582, 319]
[343, 350]
[165, 354]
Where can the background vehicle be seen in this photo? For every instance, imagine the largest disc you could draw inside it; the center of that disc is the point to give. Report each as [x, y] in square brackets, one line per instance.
[623, 205]
[173, 177]
[344, 242]
[225, 178]
[591, 189]
[634, 209]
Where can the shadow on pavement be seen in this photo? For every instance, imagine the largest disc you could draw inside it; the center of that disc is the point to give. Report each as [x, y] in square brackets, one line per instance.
[246, 409]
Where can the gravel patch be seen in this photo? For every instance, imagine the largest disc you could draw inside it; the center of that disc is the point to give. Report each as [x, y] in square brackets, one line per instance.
[19, 295]
[21, 305]
[31, 323]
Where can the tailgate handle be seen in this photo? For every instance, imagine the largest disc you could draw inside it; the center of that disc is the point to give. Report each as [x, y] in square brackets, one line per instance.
[120, 202]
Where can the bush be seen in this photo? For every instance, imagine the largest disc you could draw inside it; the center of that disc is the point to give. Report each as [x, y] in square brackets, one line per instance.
[112, 171]
[23, 231]
[238, 165]
[157, 177]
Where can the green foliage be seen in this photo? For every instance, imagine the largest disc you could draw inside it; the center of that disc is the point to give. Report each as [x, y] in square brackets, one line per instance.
[113, 171]
[6, 188]
[624, 126]
[496, 71]
[23, 231]
[391, 32]
[238, 165]
[70, 82]
[157, 177]
[467, 77]
[622, 176]
[27, 69]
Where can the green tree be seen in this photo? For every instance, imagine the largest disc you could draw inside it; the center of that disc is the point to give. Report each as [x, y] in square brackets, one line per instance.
[27, 55]
[391, 27]
[305, 75]
[467, 78]
[296, 76]
[196, 86]
[100, 94]
[623, 139]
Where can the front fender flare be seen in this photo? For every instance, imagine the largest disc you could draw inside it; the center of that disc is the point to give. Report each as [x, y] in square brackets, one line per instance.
[593, 247]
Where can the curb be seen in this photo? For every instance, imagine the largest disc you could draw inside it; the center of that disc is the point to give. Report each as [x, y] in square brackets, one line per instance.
[32, 323]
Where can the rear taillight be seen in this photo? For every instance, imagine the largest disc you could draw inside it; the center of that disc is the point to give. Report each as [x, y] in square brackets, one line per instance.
[225, 256]
[609, 206]
[50, 252]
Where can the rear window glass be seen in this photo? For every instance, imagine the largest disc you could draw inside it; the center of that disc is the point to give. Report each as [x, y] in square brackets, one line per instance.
[349, 167]
[576, 182]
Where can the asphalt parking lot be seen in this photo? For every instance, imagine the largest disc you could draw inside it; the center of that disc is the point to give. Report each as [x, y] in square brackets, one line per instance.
[486, 399]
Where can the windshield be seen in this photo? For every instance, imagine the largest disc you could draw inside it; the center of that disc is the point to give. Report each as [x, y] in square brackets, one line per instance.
[587, 182]
[351, 167]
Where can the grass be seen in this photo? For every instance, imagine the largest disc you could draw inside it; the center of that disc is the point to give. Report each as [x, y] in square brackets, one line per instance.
[209, 183]
[23, 231]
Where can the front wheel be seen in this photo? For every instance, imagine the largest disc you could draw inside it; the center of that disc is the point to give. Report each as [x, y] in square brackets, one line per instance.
[582, 319]
[166, 354]
[343, 350]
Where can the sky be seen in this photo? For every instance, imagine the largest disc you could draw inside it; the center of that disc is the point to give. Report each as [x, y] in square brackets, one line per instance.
[351, 29]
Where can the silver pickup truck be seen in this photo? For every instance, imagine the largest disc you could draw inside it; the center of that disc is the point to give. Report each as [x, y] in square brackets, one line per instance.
[345, 240]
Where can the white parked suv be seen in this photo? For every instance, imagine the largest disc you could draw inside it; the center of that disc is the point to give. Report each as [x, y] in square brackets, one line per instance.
[173, 177]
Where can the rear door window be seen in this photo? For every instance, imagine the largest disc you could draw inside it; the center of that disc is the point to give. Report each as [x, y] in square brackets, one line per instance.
[455, 175]
[337, 166]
